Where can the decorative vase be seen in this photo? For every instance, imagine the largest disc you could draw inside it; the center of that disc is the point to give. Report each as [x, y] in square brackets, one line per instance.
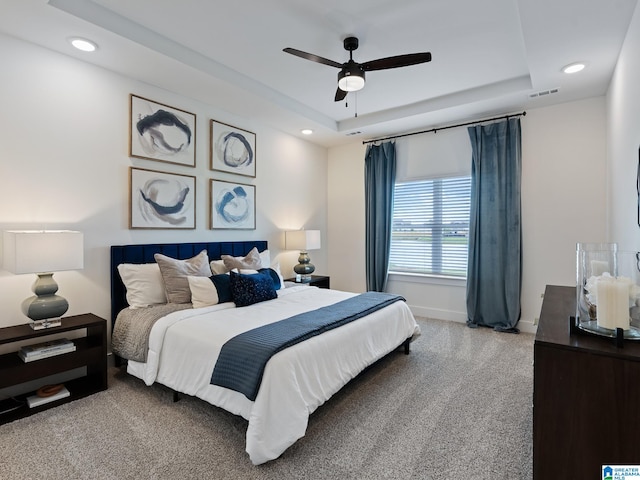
[607, 290]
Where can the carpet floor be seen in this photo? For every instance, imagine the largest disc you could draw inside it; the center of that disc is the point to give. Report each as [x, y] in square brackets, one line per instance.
[458, 407]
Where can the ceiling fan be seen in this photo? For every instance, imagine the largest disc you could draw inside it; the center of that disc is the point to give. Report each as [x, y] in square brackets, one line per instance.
[351, 74]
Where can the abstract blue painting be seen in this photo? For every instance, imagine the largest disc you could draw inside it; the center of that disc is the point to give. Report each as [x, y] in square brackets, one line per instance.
[160, 132]
[232, 149]
[232, 205]
[161, 200]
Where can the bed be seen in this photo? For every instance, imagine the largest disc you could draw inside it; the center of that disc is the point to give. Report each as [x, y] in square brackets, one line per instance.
[184, 346]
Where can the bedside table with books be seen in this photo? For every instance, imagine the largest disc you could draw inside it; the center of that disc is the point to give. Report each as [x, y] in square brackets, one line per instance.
[45, 357]
[320, 281]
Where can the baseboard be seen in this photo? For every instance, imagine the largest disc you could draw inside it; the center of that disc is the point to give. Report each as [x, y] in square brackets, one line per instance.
[440, 314]
[461, 317]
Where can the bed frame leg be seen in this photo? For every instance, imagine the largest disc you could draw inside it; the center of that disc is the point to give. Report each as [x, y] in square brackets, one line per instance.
[119, 362]
[176, 396]
[406, 346]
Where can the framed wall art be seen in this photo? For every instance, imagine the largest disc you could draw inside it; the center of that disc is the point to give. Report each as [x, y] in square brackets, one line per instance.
[232, 205]
[232, 149]
[163, 133]
[161, 200]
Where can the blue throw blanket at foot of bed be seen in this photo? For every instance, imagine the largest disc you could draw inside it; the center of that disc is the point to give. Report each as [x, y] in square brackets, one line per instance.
[242, 359]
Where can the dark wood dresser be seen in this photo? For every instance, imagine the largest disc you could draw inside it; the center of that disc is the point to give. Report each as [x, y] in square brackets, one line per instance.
[586, 396]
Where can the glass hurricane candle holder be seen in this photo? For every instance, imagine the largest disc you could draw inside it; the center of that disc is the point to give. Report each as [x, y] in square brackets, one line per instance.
[607, 290]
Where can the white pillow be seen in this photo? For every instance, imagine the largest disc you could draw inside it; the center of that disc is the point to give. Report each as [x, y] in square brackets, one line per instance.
[217, 267]
[265, 258]
[276, 267]
[144, 284]
[203, 292]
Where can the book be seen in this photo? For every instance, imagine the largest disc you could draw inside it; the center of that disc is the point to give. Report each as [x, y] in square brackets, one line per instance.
[35, 400]
[46, 354]
[51, 345]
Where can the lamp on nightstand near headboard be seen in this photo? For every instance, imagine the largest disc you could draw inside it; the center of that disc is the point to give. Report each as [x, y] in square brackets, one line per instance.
[303, 240]
[43, 252]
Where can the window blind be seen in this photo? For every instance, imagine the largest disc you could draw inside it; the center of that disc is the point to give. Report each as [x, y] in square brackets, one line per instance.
[430, 229]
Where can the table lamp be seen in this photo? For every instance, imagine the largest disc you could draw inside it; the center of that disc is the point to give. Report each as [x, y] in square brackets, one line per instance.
[303, 240]
[43, 252]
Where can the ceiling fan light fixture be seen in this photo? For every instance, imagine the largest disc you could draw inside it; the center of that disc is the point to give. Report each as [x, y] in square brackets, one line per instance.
[351, 79]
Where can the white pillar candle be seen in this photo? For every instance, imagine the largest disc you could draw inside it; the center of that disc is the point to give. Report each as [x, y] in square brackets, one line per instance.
[613, 303]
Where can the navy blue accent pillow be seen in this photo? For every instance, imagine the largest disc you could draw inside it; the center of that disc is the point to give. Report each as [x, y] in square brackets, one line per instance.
[249, 289]
[223, 286]
[274, 276]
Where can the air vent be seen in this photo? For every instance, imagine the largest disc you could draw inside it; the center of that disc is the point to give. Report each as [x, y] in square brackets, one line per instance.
[353, 133]
[543, 93]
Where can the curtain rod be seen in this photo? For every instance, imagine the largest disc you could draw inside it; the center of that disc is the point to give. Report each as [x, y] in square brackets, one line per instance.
[434, 130]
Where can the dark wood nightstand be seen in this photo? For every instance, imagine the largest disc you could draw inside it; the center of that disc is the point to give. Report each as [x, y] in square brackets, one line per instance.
[91, 352]
[320, 281]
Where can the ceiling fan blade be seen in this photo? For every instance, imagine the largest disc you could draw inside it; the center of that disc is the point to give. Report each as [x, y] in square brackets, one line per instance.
[340, 95]
[312, 57]
[397, 61]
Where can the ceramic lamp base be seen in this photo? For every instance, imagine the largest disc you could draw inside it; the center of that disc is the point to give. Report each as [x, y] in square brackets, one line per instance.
[45, 305]
[304, 267]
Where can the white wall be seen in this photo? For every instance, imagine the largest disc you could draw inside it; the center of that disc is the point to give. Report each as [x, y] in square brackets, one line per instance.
[623, 134]
[345, 206]
[563, 202]
[64, 164]
[563, 193]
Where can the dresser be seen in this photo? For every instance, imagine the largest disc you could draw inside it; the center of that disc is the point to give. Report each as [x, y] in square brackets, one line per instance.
[586, 396]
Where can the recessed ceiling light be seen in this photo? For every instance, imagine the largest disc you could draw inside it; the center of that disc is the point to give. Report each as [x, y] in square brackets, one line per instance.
[573, 67]
[83, 44]
[306, 131]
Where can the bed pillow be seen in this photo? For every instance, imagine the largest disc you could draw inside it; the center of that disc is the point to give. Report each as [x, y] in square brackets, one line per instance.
[175, 273]
[249, 289]
[265, 258]
[207, 291]
[217, 267]
[277, 284]
[275, 275]
[276, 268]
[250, 260]
[144, 284]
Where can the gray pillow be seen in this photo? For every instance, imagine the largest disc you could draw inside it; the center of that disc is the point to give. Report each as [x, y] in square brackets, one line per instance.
[251, 261]
[175, 272]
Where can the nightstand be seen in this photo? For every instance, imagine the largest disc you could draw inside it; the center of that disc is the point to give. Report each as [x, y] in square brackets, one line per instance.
[91, 352]
[320, 281]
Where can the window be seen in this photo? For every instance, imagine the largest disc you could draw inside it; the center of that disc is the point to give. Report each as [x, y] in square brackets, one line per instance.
[430, 230]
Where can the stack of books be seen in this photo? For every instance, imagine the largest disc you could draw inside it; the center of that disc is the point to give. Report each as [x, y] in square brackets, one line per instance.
[37, 400]
[51, 348]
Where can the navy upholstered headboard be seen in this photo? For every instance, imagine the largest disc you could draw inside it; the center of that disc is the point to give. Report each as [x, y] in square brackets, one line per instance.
[144, 254]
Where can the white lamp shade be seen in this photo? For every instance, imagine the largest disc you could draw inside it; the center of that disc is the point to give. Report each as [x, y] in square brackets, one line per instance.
[302, 240]
[38, 251]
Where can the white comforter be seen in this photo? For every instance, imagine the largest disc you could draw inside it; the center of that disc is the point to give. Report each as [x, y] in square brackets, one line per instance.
[184, 347]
